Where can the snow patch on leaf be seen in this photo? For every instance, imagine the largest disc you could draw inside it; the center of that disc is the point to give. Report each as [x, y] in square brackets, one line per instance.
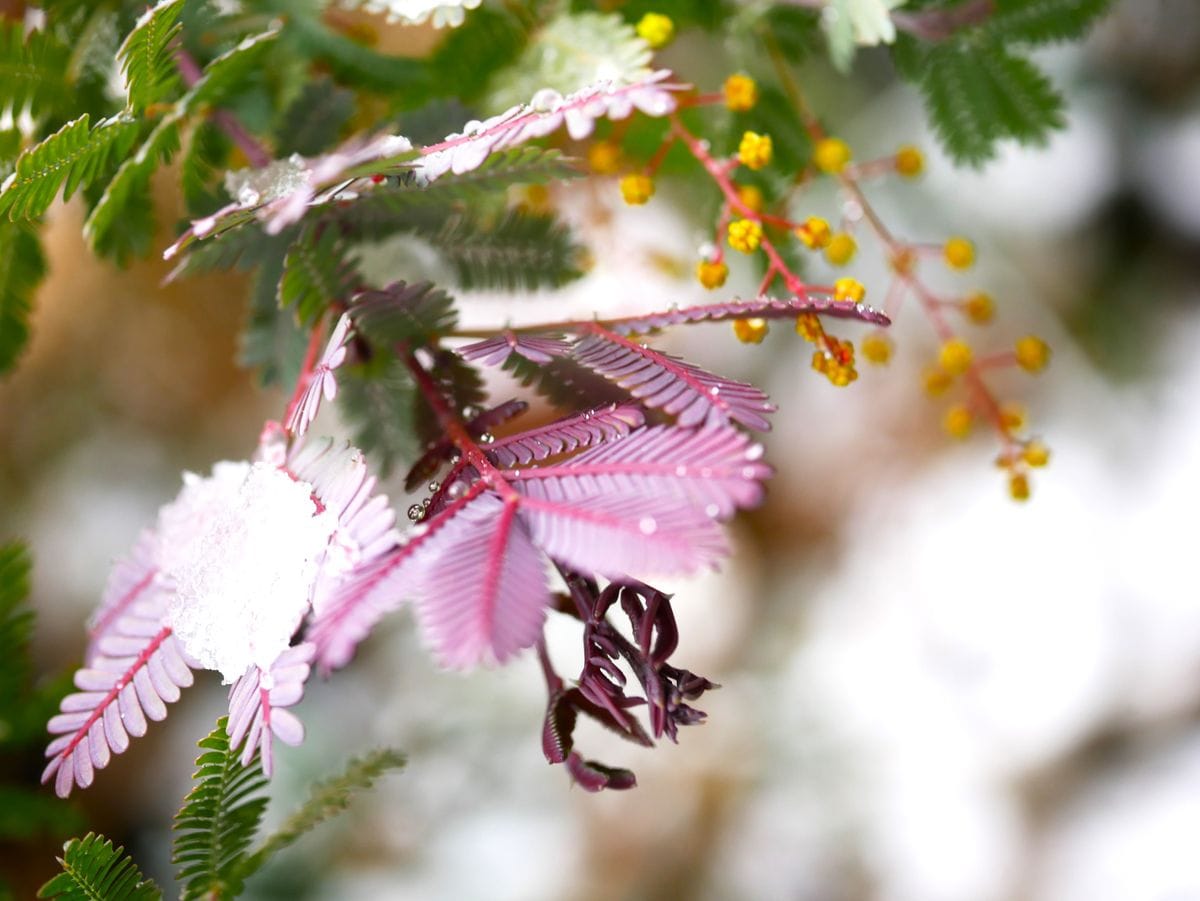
[244, 582]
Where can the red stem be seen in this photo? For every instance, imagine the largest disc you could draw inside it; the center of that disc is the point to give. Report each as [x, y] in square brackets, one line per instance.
[255, 153]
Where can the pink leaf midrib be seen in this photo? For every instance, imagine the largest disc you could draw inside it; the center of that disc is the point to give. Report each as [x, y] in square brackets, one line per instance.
[143, 658]
[121, 604]
[494, 568]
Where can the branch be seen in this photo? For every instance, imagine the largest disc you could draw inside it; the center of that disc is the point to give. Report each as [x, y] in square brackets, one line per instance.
[256, 154]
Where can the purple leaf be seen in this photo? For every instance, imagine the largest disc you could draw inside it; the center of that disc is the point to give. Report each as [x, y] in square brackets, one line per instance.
[535, 348]
[717, 469]
[593, 777]
[137, 669]
[596, 426]
[661, 381]
[759, 308]
[258, 702]
[482, 592]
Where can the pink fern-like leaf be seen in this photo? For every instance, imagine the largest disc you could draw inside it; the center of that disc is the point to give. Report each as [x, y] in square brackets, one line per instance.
[716, 469]
[535, 348]
[373, 590]
[483, 592]
[258, 703]
[137, 670]
[759, 307]
[661, 381]
[612, 536]
[566, 435]
[440, 451]
[132, 578]
[321, 381]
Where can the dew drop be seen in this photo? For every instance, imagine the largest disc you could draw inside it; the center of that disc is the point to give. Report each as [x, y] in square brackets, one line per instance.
[425, 503]
[415, 512]
[747, 472]
[455, 490]
[647, 525]
[681, 471]
[435, 487]
[712, 511]
[486, 438]
[754, 452]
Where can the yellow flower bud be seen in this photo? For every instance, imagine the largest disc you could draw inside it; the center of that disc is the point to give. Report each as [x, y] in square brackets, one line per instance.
[909, 161]
[755, 150]
[849, 289]
[808, 327]
[936, 381]
[959, 253]
[831, 155]
[814, 233]
[745, 235]
[958, 421]
[1013, 416]
[711, 273]
[955, 356]
[1018, 486]
[1032, 353]
[741, 93]
[877, 348]
[750, 331]
[1035, 453]
[637, 189]
[752, 197]
[604, 158]
[841, 249]
[656, 29]
[979, 307]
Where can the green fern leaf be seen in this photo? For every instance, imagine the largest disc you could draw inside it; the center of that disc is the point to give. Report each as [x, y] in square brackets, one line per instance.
[22, 267]
[1043, 21]
[218, 820]
[226, 74]
[272, 342]
[410, 314]
[73, 156]
[16, 629]
[377, 401]
[519, 166]
[980, 95]
[33, 69]
[314, 120]
[205, 156]
[93, 870]
[146, 58]
[326, 800]
[519, 250]
[121, 224]
[316, 272]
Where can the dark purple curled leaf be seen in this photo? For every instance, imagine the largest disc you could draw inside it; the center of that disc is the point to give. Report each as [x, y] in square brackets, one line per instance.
[593, 777]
